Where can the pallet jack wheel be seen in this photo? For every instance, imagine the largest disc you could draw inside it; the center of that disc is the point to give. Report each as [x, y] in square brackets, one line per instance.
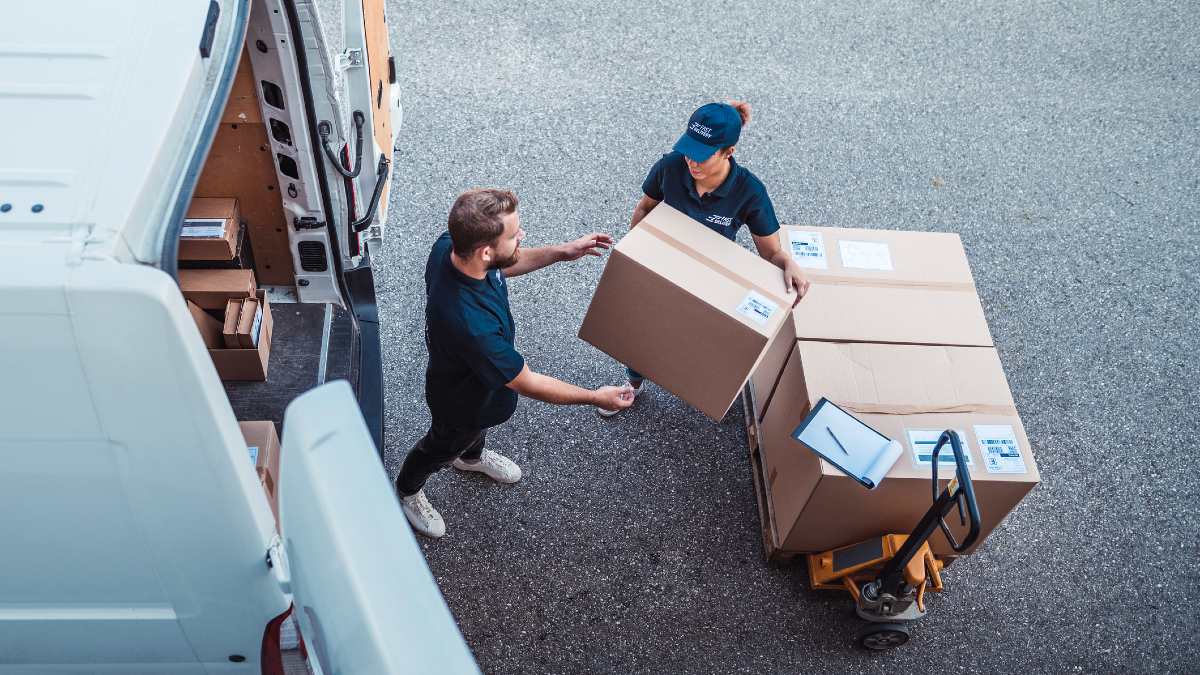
[882, 636]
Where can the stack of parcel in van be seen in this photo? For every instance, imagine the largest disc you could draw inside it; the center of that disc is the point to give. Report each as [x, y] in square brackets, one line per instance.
[892, 331]
[217, 280]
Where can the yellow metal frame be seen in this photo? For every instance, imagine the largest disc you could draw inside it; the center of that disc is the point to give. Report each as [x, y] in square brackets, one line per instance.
[924, 567]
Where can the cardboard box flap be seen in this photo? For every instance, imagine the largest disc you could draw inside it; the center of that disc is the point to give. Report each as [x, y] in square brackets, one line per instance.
[898, 315]
[879, 257]
[906, 379]
[728, 293]
[716, 252]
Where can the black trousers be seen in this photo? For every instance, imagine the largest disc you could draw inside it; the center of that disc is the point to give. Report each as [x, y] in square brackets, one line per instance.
[440, 446]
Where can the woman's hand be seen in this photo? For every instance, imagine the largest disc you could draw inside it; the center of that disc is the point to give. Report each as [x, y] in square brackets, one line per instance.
[794, 279]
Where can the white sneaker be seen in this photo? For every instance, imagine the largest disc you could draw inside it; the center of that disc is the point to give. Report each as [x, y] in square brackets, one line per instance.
[424, 518]
[497, 467]
[636, 390]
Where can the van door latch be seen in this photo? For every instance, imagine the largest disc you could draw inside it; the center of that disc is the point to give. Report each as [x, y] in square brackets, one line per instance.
[307, 223]
[351, 58]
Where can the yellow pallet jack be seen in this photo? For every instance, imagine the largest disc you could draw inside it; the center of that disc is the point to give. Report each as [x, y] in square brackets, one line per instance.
[887, 576]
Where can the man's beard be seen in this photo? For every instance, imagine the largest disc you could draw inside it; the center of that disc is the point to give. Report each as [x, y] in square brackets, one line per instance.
[506, 262]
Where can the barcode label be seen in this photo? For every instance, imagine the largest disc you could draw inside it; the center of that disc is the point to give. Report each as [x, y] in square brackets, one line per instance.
[998, 445]
[757, 308]
[203, 228]
[923, 441]
[808, 249]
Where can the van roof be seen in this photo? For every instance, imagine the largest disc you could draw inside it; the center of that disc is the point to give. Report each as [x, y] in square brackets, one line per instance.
[102, 111]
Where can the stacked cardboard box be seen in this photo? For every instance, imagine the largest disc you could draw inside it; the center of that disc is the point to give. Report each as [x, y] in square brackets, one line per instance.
[891, 330]
[240, 342]
[262, 442]
[213, 235]
[686, 308]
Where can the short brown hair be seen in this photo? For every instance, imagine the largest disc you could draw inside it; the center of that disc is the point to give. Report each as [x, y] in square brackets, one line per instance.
[476, 218]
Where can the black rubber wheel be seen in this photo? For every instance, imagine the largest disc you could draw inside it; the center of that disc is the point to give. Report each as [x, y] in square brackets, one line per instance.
[881, 636]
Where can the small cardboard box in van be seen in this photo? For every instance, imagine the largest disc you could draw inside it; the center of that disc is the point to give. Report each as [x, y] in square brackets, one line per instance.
[248, 363]
[211, 230]
[211, 289]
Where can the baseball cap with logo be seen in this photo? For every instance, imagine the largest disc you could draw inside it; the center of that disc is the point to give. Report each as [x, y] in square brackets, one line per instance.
[713, 126]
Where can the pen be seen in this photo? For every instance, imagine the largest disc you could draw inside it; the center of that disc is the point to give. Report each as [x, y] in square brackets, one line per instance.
[835, 440]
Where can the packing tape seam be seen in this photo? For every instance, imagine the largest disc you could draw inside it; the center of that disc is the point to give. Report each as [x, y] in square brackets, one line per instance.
[783, 302]
[884, 409]
[834, 280]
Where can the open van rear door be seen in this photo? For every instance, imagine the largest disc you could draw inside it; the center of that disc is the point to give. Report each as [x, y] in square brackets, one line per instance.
[363, 595]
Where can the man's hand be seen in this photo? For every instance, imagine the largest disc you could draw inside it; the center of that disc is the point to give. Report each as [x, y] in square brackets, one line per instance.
[592, 244]
[794, 279]
[614, 398]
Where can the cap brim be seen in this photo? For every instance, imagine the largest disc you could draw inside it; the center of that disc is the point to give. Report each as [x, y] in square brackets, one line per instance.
[694, 149]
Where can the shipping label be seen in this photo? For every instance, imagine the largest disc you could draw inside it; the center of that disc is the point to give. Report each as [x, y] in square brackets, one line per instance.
[254, 328]
[998, 445]
[757, 308]
[922, 442]
[203, 228]
[808, 249]
[253, 449]
[866, 255]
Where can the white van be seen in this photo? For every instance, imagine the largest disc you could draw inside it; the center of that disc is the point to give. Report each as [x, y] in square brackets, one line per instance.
[135, 536]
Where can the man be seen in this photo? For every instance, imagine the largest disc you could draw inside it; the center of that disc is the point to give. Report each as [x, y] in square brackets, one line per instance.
[475, 373]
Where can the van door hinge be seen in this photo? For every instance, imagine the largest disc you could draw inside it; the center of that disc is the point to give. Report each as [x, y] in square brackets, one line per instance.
[351, 58]
[277, 562]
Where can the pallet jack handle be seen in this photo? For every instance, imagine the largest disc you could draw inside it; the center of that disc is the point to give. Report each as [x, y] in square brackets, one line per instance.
[964, 497]
[959, 492]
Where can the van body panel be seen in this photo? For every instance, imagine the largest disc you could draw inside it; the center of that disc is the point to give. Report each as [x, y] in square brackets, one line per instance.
[143, 529]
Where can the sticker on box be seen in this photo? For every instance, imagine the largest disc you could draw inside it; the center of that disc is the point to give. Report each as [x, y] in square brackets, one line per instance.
[253, 450]
[203, 228]
[866, 255]
[808, 249]
[757, 308]
[258, 315]
[998, 445]
[922, 442]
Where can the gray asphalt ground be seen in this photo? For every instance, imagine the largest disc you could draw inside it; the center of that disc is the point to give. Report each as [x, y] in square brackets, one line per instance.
[1059, 139]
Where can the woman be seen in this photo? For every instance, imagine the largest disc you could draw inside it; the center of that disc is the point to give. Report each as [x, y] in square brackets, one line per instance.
[701, 179]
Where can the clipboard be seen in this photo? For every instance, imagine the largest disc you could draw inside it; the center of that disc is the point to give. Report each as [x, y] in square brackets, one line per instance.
[847, 443]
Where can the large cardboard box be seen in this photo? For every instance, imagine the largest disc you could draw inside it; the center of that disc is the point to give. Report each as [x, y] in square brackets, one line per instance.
[211, 289]
[910, 393]
[248, 363]
[211, 230]
[262, 442]
[876, 286]
[687, 308]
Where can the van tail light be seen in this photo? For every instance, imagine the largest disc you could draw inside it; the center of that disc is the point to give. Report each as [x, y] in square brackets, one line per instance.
[272, 655]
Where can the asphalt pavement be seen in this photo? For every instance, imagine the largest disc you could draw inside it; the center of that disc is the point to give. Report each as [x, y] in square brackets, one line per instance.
[1059, 139]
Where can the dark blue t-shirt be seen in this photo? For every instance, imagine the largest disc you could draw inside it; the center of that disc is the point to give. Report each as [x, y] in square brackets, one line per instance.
[740, 200]
[469, 331]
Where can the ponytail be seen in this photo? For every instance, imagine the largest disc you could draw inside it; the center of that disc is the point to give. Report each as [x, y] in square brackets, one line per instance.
[743, 109]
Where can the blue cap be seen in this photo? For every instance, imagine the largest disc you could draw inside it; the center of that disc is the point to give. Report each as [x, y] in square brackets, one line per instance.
[713, 126]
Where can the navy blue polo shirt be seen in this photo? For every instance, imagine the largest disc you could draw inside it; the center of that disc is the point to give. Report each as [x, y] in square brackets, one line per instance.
[469, 331]
[740, 200]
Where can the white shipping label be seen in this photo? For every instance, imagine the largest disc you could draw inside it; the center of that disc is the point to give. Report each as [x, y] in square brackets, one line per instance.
[998, 445]
[866, 255]
[256, 326]
[808, 249]
[757, 308]
[922, 442]
[203, 228]
[253, 455]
